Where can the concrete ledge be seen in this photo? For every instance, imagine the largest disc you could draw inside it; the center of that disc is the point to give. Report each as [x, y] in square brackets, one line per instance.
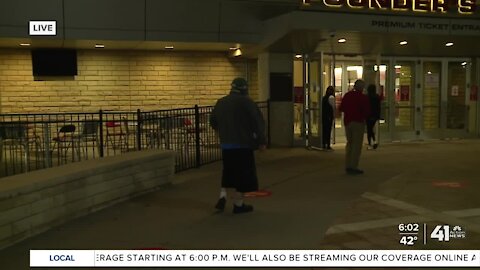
[37, 201]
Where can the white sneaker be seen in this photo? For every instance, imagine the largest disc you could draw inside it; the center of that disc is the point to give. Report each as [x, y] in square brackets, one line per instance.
[369, 147]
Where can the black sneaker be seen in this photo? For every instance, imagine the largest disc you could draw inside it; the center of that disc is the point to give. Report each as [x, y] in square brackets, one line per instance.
[242, 209]
[375, 146]
[220, 206]
[357, 171]
[353, 171]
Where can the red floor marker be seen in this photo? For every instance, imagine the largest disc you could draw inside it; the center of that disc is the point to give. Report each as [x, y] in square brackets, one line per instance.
[448, 184]
[152, 248]
[259, 193]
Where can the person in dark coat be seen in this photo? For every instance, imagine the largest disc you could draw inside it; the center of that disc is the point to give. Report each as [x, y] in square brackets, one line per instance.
[328, 112]
[374, 116]
[241, 129]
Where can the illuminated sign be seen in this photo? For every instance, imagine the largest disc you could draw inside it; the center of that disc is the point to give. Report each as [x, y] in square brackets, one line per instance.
[432, 6]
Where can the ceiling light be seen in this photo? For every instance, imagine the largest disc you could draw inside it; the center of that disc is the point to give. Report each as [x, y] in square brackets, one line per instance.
[342, 40]
[237, 52]
[354, 68]
[398, 66]
[449, 44]
[298, 56]
[25, 44]
[403, 42]
[464, 63]
[382, 68]
[233, 48]
[429, 72]
[169, 47]
[99, 46]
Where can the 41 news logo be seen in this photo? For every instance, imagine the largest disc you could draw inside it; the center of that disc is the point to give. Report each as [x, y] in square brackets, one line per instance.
[443, 233]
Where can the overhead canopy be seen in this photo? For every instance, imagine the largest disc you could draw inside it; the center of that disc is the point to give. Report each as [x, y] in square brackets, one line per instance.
[306, 32]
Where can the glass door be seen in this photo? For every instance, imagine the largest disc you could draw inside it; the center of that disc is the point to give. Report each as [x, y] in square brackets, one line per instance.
[474, 102]
[457, 97]
[404, 98]
[421, 98]
[340, 89]
[345, 73]
[431, 98]
[375, 72]
[456, 103]
[298, 101]
[332, 76]
[314, 83]
[445, 98]
[308, 85]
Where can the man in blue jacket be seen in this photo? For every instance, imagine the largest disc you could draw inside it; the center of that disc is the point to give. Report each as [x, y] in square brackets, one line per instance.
[241, 129]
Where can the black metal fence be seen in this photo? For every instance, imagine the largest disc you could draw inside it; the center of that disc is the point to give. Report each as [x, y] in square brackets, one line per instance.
[35, 141]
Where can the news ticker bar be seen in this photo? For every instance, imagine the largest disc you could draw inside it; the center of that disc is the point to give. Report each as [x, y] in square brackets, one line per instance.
[254, 258]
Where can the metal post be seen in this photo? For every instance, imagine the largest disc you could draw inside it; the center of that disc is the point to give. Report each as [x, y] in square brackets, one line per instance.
[477, 86]
[48, 150]
[332, 76]
[46, 141]
[268, 123]
[306, 101]
[101, 133]
[378, 62]
[197, 137]
[139, 130]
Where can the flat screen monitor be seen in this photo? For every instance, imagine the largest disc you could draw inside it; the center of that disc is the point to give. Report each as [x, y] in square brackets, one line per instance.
[54, 62]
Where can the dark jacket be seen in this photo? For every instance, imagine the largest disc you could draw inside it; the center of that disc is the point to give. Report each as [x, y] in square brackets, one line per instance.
[327, 110]
[238, 121]
[374, 107]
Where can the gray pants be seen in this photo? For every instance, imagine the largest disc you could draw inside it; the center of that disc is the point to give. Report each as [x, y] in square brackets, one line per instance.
[354, 132]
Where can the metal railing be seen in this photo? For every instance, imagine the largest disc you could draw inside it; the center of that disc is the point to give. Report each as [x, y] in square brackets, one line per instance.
[35, 141]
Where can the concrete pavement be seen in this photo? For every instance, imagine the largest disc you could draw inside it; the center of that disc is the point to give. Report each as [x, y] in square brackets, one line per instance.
[314, 205]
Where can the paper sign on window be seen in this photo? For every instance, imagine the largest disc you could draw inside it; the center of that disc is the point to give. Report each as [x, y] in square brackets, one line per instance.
[298, 94]
[404, 92]
[432, 80]
[474, 93]
[454, 91]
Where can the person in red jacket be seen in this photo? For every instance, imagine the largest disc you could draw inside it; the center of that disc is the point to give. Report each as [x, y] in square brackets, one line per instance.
[356, 108]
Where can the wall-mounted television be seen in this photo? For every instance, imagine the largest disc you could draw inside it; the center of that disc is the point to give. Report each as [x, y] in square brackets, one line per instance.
[54, 62]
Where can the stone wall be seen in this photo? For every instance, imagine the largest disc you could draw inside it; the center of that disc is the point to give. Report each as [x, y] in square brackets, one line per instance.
[122, 80]
[37, 201]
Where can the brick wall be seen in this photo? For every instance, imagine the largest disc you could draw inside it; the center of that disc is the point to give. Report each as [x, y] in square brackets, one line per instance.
[122, 80]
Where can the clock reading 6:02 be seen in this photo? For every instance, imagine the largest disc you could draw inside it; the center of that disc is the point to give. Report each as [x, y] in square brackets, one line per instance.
[408, 227]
